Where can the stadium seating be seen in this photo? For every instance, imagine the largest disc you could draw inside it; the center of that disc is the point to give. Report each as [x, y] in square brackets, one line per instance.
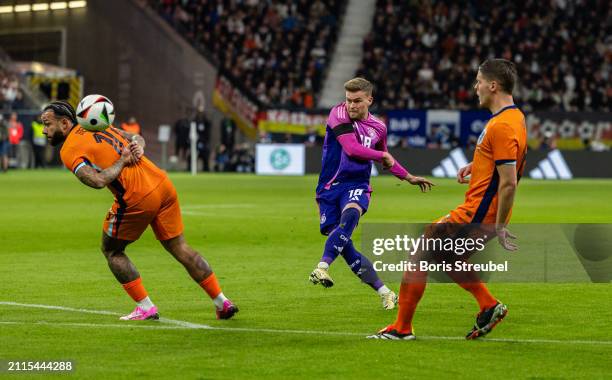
[425, 54]
[10, 95]
[279, 50]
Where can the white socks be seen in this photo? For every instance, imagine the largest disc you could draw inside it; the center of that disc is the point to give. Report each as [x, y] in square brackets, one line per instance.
[383, 290]
[145, 303]
[323, 265]
[219, 301]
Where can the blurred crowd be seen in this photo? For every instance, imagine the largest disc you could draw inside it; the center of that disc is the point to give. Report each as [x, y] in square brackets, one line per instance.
[424, 54]
[23, 145]
[278, 50]
[310, 138]
[22, 142]
[11, 96]
[227, 156]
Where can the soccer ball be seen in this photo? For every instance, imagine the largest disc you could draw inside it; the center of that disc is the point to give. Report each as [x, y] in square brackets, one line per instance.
[95, 112]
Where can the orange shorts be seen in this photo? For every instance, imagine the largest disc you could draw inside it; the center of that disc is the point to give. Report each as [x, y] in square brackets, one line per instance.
[458, 221]
[464, 214]
[453, 217]
[160, 209]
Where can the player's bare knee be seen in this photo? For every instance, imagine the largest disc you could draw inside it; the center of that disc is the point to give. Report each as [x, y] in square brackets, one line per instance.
[174, 245]
[355, 206]
[112, 247]
[107, 252]
[111, 254]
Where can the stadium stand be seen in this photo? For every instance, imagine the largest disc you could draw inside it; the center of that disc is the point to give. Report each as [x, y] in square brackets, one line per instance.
[279, 50]
[10, 94]
[563, 50]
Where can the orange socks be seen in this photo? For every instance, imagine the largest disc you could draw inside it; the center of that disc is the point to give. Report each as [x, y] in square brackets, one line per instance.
[211, 286]
[481, 293]
[409, 297]
[411, 293]
[135, 289]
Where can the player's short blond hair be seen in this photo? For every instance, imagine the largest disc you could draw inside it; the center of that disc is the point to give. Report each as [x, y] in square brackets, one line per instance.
[359, 84]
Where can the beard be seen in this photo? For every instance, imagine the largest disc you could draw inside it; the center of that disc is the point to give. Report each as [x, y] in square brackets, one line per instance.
[57, 139]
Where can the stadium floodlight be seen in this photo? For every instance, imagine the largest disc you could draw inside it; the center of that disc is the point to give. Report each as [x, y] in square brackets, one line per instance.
[59, 5]
[23, 8]
[77, 4]
[40, 7]
[6, 9]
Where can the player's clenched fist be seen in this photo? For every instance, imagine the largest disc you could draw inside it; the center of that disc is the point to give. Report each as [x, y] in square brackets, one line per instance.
[463, 173]
[136, 149]
[128, 157]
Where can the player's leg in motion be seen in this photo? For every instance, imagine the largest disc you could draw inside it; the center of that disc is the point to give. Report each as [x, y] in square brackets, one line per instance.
[202, 273]
[413, 287]
[339, 243]
[363, 268]
[126, 273]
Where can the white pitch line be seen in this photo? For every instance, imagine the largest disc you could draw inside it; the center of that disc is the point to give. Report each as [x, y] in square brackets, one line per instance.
[184, 324]
[96, 325]
[103, 312]
[177, 325]
[63, 308]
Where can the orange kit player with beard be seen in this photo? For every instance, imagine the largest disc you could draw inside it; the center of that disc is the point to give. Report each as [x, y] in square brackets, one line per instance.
[144, 195]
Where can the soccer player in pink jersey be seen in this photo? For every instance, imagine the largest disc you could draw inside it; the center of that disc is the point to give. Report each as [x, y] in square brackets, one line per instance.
[354, 139]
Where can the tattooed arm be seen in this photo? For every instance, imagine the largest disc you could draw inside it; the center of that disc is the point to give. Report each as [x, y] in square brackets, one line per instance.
[98, 180]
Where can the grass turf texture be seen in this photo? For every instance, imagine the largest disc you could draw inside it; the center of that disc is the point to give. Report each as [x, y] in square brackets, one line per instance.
[261, 236]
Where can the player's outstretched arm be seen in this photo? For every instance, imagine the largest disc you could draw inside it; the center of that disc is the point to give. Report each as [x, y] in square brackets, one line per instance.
[389, 162]
[506, 191]
[92, 178]
[423, 183]
[354, 149]
[400, 172]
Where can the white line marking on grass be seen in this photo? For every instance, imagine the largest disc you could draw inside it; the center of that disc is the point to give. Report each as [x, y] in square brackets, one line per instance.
[184, 324]
[103, 312]
[178, 325]
[96, 325]
[51, 307]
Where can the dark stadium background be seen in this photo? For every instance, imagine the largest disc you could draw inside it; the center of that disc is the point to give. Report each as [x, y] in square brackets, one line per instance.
[259, 76]
[259, 69]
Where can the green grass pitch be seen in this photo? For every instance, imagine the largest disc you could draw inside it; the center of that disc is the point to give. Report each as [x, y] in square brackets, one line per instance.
[261, 236]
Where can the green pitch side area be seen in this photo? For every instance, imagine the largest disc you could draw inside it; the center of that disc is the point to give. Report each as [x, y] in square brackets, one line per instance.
[59, 301]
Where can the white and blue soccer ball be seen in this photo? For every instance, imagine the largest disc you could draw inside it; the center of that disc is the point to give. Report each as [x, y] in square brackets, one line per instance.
[95, 112]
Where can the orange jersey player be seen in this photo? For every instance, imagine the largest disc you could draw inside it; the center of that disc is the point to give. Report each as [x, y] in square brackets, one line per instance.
[502, 142]
[499, 161]
[144, 195]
